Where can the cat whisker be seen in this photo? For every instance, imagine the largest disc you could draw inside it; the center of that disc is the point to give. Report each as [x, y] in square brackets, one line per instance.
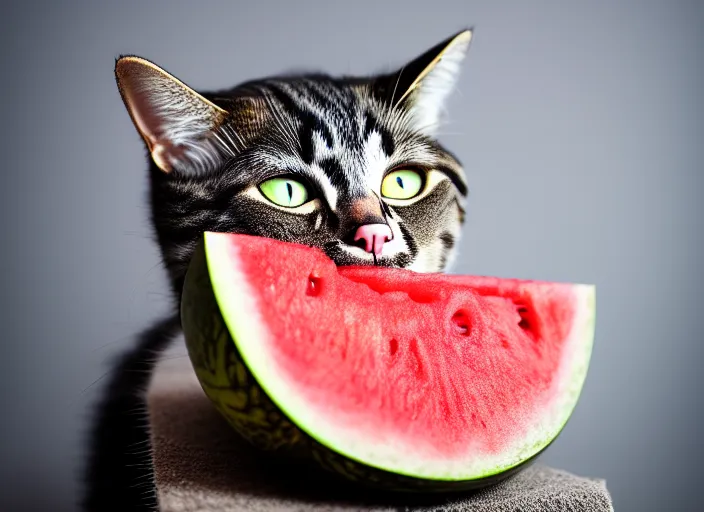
[224, 144]
[171, 358]
[230, 129]
[398, 79]
[133, 293]
[118, 340]
[73, 402]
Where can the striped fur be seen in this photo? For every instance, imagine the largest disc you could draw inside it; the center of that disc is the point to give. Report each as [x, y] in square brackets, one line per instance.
[337, 135]
[210, 151]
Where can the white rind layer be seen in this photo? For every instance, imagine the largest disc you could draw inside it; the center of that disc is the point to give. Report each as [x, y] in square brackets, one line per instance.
[249, 330]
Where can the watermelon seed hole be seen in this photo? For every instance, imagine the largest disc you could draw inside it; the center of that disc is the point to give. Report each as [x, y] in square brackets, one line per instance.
[461, 321]
[523, 313]
[315, 285]
[525, 321]
[393, 346]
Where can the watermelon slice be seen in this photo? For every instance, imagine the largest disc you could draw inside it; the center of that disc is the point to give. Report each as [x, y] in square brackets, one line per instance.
[390, 377]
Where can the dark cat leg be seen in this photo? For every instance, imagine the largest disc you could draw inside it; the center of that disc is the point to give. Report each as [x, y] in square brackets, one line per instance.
[119, 473]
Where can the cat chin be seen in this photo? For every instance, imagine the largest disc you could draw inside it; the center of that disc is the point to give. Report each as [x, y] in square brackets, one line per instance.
[430, 259]
[344, 255]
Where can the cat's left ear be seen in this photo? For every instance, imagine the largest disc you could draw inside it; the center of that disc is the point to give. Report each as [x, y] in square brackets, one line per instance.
[175, 121]
[423, 85]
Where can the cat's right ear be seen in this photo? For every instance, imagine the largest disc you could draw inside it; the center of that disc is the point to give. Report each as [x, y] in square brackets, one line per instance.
[422, 86]
[174, 120]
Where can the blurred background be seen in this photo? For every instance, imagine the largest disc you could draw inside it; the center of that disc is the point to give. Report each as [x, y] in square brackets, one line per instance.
[581, 126]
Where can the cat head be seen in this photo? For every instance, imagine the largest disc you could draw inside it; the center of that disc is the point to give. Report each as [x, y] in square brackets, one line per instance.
[347, 164]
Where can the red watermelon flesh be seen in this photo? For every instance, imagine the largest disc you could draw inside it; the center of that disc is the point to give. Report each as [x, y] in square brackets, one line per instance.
[429, 375]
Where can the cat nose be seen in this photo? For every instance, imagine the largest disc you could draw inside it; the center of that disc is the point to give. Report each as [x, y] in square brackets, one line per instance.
[373, 237]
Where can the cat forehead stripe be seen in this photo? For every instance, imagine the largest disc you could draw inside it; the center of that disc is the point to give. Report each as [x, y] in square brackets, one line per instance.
[349, 144]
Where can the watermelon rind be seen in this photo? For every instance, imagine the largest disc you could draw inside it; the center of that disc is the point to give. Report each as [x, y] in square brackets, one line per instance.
[226, 336]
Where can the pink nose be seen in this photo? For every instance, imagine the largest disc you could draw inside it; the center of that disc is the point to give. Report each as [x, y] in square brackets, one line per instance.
[374, 236]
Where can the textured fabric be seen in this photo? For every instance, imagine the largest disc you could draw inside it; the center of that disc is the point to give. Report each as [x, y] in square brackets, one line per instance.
[201, 465]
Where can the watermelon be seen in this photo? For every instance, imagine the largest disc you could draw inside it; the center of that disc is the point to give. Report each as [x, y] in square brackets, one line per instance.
[393, 378]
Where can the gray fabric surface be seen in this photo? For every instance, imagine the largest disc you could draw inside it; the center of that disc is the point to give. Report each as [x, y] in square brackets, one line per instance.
[201, 465]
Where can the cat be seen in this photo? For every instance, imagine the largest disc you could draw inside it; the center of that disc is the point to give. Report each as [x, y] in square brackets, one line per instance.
[351, 165]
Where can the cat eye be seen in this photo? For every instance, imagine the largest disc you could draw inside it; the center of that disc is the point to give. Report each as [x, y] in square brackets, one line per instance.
[285, 192]
[402, 184]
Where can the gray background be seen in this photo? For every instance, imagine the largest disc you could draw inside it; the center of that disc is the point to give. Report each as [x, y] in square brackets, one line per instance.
[582, 130]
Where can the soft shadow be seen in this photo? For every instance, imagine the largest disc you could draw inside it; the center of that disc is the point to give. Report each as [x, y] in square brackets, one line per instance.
[194, 446]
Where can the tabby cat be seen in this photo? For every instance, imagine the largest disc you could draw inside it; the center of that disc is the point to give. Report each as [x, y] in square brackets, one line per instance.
[347, 164]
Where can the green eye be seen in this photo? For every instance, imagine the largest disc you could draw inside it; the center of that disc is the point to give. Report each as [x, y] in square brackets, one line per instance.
[401, 184]
[284, 192]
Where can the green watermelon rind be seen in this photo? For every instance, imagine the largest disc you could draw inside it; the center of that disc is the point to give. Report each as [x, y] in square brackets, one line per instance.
[240, 315]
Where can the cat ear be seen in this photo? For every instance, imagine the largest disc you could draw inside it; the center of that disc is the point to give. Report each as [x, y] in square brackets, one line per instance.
[423, 85]
[173, 119]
